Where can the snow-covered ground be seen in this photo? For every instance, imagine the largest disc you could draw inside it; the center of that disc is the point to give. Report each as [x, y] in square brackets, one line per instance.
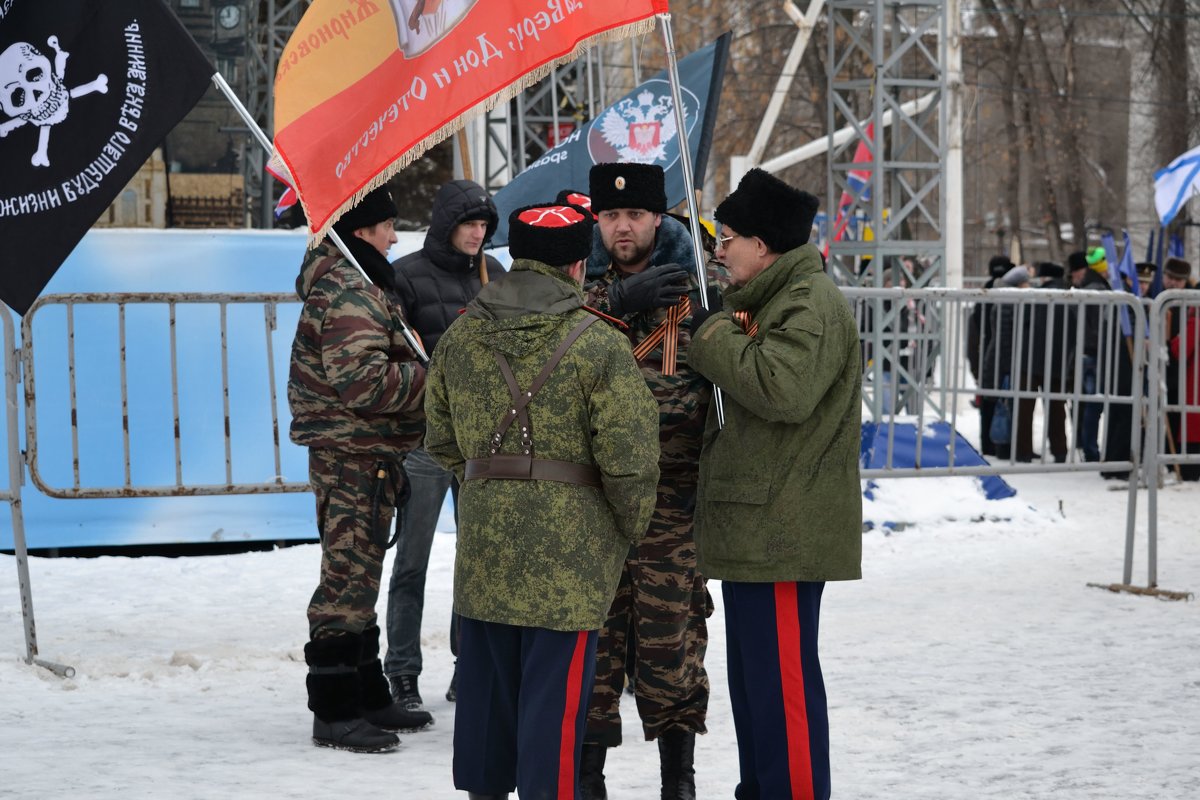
[971, 662]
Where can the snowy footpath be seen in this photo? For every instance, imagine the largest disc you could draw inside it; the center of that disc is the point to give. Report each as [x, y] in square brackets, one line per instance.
[971, 662]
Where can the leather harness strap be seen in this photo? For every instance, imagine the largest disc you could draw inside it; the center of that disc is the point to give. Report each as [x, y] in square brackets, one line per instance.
[523, 465]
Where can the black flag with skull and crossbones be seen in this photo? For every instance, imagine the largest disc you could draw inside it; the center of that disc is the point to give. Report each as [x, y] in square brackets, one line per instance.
[32, 92]
[88, 89]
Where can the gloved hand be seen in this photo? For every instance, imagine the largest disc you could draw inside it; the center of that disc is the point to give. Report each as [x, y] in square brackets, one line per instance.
[700, 313]
[653, 287]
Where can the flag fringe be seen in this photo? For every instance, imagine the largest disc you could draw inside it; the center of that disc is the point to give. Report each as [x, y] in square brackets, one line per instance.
[453, 126]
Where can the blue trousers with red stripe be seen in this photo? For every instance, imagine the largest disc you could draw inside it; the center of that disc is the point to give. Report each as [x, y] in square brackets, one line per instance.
[521, 709]
[775, 687]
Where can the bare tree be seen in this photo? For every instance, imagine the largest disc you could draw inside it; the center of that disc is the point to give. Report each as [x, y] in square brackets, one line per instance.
[1010, 38]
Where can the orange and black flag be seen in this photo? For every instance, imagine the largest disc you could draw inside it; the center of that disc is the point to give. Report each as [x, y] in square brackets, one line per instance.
[364, 88]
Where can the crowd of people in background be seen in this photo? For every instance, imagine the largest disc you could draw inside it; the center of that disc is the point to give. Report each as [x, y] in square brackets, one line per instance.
[1036, 349]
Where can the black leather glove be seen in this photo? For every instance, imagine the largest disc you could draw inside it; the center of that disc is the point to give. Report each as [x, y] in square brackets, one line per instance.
[700, 313]
[653, 287]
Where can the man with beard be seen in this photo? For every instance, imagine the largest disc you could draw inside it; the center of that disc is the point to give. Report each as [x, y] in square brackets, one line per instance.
[657, 622]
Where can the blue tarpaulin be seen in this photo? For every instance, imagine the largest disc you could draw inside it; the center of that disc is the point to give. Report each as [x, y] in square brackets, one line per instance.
[935, 452]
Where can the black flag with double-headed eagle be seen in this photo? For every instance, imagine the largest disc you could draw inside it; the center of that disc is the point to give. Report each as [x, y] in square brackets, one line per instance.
[88, 89]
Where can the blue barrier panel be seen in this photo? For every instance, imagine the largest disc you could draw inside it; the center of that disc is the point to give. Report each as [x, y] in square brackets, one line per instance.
[168, 261]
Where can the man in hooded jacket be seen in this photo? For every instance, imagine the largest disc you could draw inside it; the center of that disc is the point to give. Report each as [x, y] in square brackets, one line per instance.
[433, 285]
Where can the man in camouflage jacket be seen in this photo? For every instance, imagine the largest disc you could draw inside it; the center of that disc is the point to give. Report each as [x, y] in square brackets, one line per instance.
[658, 620]
[355, 393]
[540, 545]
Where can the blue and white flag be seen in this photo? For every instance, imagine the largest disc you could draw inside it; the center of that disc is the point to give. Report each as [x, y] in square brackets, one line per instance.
[639, 127]
[1174, 185]
[1118, 268]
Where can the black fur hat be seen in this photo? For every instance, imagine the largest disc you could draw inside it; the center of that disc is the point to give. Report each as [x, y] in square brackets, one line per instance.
[1177, 268]
[375, 207]
[556, 235]
[628, 186]
[998, 265]
[1077, 260]
[766, 207]
[571, 197]
[1048, 269]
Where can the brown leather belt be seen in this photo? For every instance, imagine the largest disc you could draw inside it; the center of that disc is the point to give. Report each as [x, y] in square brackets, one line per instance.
[525, 468]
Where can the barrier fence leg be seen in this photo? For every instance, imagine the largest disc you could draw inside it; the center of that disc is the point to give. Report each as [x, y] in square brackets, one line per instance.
[16, 476]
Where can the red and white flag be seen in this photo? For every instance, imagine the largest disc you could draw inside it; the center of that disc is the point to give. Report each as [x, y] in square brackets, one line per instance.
[365, 87]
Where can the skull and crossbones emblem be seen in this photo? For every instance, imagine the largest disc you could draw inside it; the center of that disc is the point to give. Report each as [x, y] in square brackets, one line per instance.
[33, 93]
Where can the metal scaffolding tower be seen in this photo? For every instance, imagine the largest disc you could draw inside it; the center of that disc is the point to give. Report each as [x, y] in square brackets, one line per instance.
[266, 35]
[518, 133]
[882, 57]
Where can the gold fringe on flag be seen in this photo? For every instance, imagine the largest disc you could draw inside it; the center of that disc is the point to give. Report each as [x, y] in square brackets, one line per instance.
[450, 127]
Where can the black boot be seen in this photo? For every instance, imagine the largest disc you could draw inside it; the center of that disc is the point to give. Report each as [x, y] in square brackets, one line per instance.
[376, 697]
[452, 692]
[333, 698]
[591, 772]
[676, 750]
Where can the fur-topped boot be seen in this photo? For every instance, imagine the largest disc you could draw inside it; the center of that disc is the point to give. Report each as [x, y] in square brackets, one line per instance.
[333, 697]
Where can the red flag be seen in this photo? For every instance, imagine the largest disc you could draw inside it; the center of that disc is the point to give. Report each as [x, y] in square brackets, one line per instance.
[859, 181]
[365, 88]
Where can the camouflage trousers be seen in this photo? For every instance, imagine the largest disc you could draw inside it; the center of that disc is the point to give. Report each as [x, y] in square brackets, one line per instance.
[354, 528]
[658, 619]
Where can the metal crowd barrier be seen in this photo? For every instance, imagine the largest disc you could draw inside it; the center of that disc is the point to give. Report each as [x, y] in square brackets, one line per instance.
[1057, 359]
[128, 486]
[923, 358]
[1173, 384]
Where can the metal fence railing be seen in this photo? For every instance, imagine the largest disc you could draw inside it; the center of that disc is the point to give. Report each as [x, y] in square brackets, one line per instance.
[114, 344]
[1086, 377]
[101, 465]
[1090, 381]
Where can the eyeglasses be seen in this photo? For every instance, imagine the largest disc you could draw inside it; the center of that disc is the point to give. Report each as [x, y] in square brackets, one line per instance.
[723, 241]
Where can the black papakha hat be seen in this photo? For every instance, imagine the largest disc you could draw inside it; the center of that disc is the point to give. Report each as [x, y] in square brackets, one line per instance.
[998, 265]
[554, 234]
[571, 197]
[1077, 260]
[1177, 268]
[766, 207]
[374, 208]
[628, 186]
[1048, 269]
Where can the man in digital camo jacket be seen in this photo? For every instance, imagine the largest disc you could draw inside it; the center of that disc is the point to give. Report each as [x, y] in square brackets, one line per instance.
[547, 422]
[355, 392]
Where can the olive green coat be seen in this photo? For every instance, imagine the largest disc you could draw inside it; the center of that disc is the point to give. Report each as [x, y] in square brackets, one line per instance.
[780, 498]
[542, 553]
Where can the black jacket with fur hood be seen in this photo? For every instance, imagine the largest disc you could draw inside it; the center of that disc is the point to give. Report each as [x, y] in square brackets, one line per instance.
[435, 283]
